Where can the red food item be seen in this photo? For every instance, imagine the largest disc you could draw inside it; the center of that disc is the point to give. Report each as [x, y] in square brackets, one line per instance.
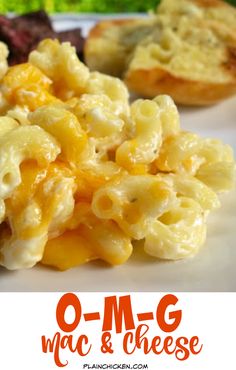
[23, 33]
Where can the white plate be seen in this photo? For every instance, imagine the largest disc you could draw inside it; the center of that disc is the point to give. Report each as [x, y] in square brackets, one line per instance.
[213, 269]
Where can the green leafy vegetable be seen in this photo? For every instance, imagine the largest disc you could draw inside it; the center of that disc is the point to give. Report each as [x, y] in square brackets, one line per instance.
[100, 6]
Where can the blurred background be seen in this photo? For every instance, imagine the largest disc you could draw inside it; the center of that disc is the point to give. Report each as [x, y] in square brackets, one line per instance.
[102, 6]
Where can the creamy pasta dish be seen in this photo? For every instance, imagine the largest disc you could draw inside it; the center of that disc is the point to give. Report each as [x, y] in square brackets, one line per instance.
[83, 173]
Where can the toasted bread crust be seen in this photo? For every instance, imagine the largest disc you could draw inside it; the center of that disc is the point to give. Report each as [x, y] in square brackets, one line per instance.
[230, 64]
[150, 83]
[99, 28]
[211, 3]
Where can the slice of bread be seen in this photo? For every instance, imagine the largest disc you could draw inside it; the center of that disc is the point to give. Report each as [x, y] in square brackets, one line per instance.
[186, 51]
[216, 10]
[110, 43]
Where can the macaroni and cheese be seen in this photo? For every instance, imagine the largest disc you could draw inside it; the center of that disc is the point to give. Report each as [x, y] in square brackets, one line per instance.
[83, 173]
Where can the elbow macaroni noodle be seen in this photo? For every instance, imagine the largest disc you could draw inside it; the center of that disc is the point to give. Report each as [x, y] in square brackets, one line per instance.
[3, 59]
[143, 148]
[19, 144]
[83, 174]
